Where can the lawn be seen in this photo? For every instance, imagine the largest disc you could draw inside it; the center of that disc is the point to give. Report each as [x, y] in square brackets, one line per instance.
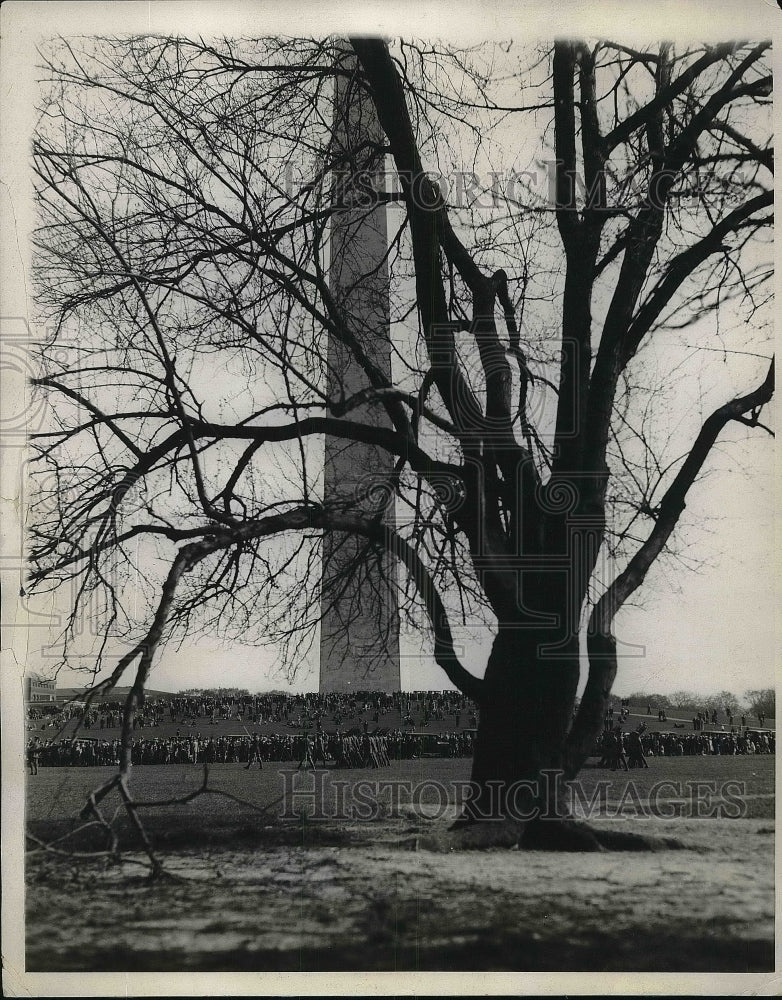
[257, 892]
[55, 795]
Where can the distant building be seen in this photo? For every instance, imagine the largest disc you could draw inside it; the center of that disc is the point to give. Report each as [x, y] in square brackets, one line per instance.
[38, 690]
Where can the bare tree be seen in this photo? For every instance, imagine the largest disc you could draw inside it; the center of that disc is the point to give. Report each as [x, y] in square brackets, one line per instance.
[185, 193]
[761, 702]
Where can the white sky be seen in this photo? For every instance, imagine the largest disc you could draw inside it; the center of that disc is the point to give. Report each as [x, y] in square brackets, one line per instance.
[707, 631]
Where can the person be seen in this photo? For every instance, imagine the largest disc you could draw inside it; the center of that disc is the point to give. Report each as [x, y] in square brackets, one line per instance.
[635, 749]
[320, 747]
[255, 753]
[33, 753]
[340, 751]
[605, 743]
[618, 758]
[367, 756]
[307, 757]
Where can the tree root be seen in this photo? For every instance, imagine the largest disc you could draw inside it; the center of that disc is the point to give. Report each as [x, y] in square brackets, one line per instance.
[562, 834]
[624, 840]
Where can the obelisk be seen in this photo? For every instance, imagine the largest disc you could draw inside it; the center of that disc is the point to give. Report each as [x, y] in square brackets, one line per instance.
[359, 644]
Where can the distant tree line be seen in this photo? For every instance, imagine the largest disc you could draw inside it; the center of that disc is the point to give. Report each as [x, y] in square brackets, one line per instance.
[761, 701]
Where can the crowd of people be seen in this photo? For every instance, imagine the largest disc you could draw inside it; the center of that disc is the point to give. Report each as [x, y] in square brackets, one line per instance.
[701, 720]
[625, 750]
[617, 748]
[335, 749]
[356, 729]
[717, 744]
[412, 710]
[295, 711]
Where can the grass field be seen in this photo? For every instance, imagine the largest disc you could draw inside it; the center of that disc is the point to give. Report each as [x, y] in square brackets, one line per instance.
[258, 892]
[57, 794]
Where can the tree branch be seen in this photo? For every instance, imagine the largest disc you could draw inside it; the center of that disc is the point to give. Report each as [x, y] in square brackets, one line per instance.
[681, 266]
[638, 119]
[601, 644]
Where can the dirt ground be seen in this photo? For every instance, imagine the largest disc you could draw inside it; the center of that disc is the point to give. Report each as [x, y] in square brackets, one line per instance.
[256, 893]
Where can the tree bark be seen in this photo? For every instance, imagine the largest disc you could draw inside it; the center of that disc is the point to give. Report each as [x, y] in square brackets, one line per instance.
[528, 698]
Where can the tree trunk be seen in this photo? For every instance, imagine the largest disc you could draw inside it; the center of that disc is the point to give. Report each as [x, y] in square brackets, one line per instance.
[524, 754]
[526, 712]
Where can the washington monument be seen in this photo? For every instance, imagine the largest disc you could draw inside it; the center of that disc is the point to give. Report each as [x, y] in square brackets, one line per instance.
[359, 645]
